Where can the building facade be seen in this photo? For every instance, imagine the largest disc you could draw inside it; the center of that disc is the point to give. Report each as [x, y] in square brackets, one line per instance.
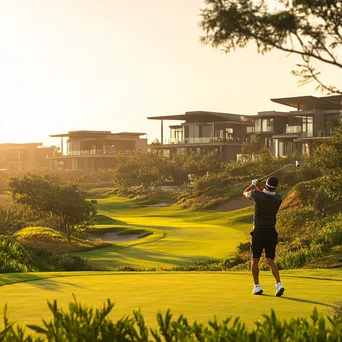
[283, 132]
[25, 156]
[204, 133]
[93, 150]
[294, 131]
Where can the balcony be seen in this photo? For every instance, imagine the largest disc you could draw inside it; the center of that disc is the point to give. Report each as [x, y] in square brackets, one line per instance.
[205, 140]
[293, 129]
[253, 129]
[90, 152]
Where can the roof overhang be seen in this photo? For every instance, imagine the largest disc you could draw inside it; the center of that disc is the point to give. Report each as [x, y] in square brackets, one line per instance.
[309, 102]
[95, 134]
[204, 116]
[295, 101]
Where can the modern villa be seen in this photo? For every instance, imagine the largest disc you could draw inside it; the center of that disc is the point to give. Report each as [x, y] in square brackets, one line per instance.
[205, 132]
[294, 131]
[94, 150]
[24, 156]
[284, 132]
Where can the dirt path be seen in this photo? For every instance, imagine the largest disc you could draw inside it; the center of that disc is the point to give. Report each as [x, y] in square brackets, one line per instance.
[235, 204]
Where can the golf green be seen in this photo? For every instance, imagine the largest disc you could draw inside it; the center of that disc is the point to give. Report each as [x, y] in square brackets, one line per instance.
[198, 296]
[180, 237]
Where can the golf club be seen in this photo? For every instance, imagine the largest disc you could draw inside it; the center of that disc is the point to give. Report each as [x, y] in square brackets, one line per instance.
[270, 174]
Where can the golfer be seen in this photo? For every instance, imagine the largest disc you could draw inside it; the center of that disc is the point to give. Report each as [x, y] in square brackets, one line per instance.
[264, 234]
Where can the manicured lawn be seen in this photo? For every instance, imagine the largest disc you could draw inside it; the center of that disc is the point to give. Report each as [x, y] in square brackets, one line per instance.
[199, 296]
[181, 237]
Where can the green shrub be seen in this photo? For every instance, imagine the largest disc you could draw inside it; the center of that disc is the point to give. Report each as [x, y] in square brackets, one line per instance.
[299, 258]
[13, 257]
[82, 323]
[292, 222]
[46, 260]
[331, 233]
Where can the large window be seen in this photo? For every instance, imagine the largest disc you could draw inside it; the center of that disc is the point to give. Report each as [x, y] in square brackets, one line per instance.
[74, 148]
[207, 131]
[307, 125]
[267, 125]
[177, 134]
[281, 149]
[257, 126]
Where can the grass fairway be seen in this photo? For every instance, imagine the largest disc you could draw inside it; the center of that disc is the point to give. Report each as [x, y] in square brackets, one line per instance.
[180, 237]
[199, 296]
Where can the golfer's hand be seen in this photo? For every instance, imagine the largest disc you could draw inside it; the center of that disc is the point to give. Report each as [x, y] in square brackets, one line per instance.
[255, 182]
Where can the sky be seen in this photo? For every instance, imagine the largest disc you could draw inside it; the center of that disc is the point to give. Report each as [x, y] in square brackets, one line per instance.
[109, 64]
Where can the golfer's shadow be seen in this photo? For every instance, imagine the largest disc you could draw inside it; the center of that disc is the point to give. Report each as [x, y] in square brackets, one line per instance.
[302, 300]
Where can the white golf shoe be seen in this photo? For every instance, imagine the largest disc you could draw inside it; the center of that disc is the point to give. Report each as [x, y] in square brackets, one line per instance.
[279, 289]
[257, 290]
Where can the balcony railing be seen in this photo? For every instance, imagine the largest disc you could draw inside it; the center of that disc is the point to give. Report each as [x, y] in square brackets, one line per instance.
[253, 129]
[294, 129]
[90, 152]
[205, 140]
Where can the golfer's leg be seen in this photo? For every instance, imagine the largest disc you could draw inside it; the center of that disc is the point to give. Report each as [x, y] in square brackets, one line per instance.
[270, 251]
[256, 251]
[274, 269]
[255, 270]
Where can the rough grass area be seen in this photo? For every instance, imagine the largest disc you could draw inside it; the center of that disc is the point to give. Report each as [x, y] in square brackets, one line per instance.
[199, 296]
[43, 237]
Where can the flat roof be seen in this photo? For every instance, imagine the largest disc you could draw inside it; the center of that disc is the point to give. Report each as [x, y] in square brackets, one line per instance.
[293, 101]
[208, 116]
[271, 113]
[20, 144]
[95, 134]
[307, 102]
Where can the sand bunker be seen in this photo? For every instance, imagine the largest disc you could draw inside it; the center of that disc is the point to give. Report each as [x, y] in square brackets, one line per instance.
[235, 204]
[158, 205]
[114, 237]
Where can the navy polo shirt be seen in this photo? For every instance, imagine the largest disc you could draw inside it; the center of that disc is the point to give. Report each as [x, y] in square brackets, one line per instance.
[266, 208]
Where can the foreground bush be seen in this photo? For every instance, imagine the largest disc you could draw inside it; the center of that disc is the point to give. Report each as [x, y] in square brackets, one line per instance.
[13, 257]
[81, 323]
[16, 258]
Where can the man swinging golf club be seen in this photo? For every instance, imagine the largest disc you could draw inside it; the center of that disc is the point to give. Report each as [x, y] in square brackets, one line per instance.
[264, 234]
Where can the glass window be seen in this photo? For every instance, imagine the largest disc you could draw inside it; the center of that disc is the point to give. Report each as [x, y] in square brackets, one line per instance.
[309, 126]
[207, 131]
[281, 149]
[257, 125]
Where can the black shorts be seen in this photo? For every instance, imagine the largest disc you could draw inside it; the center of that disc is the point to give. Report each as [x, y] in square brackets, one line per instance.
[264, 238]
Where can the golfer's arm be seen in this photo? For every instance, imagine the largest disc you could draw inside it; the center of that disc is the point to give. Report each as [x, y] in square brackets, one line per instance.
[258, 187]
[247, 193]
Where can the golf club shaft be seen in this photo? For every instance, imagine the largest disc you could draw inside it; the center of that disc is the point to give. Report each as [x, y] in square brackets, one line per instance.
[270, 174]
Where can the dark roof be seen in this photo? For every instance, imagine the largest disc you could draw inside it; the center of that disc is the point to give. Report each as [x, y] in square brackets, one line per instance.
[272, 113]
[204, 116]
[308, 102]
[94, 134]
[129, 133]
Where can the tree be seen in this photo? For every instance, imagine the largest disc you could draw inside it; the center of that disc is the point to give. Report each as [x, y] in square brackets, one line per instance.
[253, 146]
[63, 201]
[311, 29]
[328, 160]
[138, 168]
